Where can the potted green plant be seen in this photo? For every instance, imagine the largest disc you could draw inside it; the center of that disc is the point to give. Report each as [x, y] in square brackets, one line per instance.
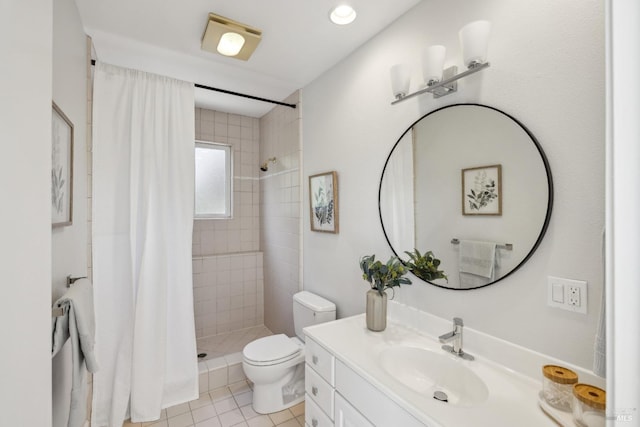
[381, 276]
[425, 266]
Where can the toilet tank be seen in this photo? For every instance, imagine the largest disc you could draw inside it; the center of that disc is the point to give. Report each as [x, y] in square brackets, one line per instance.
[310, 309]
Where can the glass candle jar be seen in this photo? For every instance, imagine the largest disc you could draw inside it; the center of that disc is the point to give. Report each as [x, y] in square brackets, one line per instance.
[557, 386]
[589, 405]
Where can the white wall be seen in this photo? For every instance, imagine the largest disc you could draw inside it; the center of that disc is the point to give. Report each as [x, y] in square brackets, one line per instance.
[25, 220]
[69, 243]
[623, 207]
[547, 71]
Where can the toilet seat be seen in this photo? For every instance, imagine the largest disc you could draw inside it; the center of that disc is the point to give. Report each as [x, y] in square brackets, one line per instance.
[271, 350]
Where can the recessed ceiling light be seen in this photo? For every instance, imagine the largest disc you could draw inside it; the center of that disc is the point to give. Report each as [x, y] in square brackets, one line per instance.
[343, 14]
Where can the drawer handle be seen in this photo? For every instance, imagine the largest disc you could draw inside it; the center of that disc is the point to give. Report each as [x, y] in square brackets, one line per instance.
[314, 391]
[314, 359]
[314, 422]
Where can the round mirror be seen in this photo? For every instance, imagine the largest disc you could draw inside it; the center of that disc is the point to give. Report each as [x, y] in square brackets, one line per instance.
[465, 196]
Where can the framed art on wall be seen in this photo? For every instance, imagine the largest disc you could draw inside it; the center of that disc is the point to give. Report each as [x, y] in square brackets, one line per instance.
[61, 168]
[323, 202]
[482, 190]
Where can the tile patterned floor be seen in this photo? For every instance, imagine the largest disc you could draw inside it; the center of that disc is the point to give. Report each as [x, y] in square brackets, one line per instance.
[225, 407]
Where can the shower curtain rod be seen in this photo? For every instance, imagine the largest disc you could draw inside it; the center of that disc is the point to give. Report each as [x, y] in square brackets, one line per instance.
[230, 92]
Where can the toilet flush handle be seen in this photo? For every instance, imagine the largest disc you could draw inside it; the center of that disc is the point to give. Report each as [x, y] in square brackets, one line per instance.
[314, 359]
[314, 390]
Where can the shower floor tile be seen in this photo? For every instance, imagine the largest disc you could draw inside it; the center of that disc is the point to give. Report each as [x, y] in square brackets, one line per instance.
[230, 342]
[208, 411]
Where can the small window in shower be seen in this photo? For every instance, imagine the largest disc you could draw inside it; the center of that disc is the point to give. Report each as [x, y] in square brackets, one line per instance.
[213, 180]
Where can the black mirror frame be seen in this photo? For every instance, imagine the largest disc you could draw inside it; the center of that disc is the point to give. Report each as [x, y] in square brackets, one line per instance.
[547, 168]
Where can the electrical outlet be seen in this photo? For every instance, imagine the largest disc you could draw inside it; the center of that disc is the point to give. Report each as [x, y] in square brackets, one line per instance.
[567, 294]
[574, 296]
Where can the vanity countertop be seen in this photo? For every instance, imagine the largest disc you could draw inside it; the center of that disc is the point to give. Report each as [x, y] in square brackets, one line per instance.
[512, 399]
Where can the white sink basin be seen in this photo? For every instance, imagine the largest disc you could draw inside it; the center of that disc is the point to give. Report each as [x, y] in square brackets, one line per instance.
[427, 372]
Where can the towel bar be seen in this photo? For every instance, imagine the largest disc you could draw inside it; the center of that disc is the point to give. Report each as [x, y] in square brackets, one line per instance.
[72, 280]
[507, 246]
[59, 311]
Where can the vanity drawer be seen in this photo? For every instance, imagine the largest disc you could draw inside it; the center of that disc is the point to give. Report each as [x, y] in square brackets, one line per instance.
[319, 390]
[369, 401]
[314, 416]
[348, 416]
[320, 360]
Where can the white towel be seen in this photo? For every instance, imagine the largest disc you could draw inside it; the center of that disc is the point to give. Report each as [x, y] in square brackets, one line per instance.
[478, 258]
[78, 324]
[471, 281]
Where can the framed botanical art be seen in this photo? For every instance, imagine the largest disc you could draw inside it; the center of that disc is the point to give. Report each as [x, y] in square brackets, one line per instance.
[323, 202]
[61, 168]
[482, 190]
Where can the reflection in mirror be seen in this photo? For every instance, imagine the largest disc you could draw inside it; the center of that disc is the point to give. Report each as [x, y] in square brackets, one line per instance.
[482, 231]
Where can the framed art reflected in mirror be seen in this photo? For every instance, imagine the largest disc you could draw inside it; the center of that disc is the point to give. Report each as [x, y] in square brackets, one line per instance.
[61, 168]
[482, 190]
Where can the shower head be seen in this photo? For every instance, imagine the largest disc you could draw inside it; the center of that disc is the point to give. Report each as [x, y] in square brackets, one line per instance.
[265, 166]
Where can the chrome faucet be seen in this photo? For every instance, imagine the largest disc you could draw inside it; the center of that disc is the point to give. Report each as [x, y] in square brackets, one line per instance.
[455, 337]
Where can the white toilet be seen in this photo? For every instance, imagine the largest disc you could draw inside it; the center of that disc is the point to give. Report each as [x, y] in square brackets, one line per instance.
[275, 364]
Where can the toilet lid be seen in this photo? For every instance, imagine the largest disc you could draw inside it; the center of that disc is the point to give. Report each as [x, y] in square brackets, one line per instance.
[271, 348]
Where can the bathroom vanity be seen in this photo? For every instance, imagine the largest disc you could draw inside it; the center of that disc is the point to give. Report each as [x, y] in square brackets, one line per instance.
[357, 378]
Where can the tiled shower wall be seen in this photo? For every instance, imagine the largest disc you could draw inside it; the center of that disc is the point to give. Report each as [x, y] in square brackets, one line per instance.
[228, 284]
[281, 214]
[227, 292]
[242, 232]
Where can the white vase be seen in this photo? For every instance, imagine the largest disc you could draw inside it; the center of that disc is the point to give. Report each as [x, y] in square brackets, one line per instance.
[376, 310]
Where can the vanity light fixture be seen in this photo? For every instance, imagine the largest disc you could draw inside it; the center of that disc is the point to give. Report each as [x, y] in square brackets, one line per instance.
[474, 40]
[433, 64]
[342, 14]
[400, 80]
[230, 38]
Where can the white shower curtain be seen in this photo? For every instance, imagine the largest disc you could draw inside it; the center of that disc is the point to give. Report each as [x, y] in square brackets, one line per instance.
[398, 210]
[143, 186]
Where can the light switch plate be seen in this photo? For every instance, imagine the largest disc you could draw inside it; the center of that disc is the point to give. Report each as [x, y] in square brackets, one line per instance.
[567, 294]
[557, 292]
